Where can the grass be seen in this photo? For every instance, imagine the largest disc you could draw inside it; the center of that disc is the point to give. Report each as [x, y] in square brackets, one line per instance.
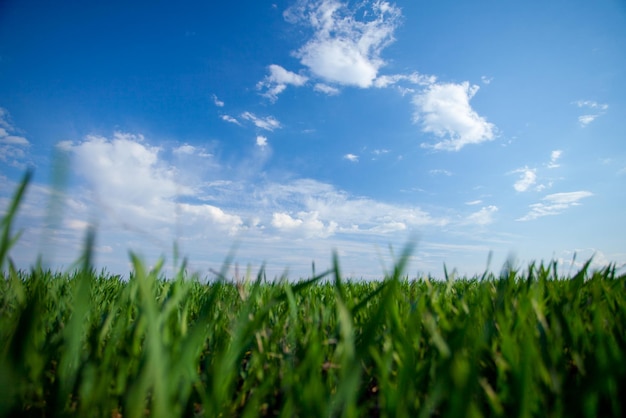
[522, 344]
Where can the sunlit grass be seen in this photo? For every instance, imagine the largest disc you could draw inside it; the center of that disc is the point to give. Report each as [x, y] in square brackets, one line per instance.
[88, 343]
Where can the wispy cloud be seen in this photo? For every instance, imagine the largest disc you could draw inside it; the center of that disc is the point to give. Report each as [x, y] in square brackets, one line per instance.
[344, 49]
[443, 109]
[230, 119]
[351, 157]
[278, 80]
[217, 101]
[268, 123]
[596, 109]
[554, 204]
[13, 147]
[413, 78]
[326, 89]
[482, 217]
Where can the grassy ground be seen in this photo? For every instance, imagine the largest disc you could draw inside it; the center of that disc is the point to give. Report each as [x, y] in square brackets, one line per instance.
[519, 344]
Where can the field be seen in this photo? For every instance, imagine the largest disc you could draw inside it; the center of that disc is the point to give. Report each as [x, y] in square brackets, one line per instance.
[520, 344]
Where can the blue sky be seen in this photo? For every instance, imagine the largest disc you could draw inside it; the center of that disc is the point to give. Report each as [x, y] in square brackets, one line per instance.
[295, 128]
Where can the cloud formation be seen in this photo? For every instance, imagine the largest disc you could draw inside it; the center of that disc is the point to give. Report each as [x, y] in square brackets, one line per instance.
[554, 204]
[343, 49]
[482, 217]
[596, 109]
[351, 157]
[554, 157]
[528, 177]
[12, 146]
[444, 110]
[268, 123]
[278, 80]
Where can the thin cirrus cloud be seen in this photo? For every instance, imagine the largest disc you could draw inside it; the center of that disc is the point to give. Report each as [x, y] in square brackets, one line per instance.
[554, 204]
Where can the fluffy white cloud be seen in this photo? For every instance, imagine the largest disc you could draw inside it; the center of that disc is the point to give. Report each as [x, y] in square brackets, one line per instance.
[528, 177]
[278, 80]
[306, 224]
[443, 109]
[351, 157]
[126, 170]
[345, 50]
[268, 123]
[554, 204]
[261, 141]
[207, 214]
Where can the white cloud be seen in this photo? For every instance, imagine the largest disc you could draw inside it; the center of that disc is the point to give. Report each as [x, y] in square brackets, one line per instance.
[203, 214]
[554, 157]
[14, 140]
[126, 171]
[413, 78]
[217, 101]
[268, 123]
[12, 147]
[261, 141]
[351, 157]
[483, 217]
[185, 149]
[486, 80]
[555, 204]
[528, 177]
[586, 119]
[306, 224]
[278, 80]
[345, 50]
[598, 110]
[474, 202]
[230, 119]
[350, 214]
[443, 109]
[326, 89]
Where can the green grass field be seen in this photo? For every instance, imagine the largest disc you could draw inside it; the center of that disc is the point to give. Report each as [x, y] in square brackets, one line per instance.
[524, 343]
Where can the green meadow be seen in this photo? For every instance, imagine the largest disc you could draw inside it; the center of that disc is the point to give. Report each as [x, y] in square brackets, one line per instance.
[522, 343]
